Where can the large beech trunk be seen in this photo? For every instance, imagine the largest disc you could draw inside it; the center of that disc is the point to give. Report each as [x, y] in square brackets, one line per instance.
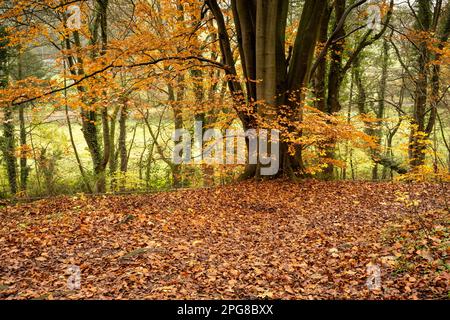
[261, 25]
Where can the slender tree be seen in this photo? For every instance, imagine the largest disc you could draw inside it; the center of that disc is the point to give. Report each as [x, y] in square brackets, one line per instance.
[8, 142]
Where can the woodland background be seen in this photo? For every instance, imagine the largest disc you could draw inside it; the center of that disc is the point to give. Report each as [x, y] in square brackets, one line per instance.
[93, 110]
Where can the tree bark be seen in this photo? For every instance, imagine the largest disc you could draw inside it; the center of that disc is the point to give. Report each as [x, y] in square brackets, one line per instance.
[260, 26]
[420, 129]
[8, 143]
[335, 79]
[24, 169]
[123, 144]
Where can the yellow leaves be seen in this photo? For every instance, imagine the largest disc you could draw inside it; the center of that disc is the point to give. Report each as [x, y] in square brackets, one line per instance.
[266, 295]
[316, 276]
[334, 252]
[425, 254]
[315, 169]
[24, 151]
[232, 283]
[166, 289]
[318, 132]
[197, 242]
[43, 257]
[426, 173]
[258, 271]
[389, 261]
[289, 289]
[369, 119]
[234, 272]
[405, 198]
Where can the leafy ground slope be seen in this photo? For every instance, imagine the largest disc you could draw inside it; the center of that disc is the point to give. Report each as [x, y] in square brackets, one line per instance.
[312, 240]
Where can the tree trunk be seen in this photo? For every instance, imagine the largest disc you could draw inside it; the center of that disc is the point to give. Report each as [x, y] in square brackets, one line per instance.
[24, 169]
[381, 103]
[8, 143]
[113, 152]
[420, 129]
[9, 148]
[335, 78]
[123, 143]
[261, 32]
[175, 101]
[298, 77]
[321, 72]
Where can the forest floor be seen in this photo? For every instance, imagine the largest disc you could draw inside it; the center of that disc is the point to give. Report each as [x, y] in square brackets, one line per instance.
[252, 240]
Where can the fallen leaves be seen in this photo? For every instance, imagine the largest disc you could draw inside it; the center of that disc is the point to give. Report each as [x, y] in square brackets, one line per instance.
[275, 239]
